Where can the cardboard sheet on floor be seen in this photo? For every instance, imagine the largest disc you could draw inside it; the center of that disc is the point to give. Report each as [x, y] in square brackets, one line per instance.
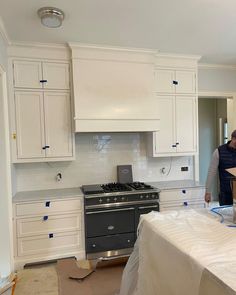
[104, 281]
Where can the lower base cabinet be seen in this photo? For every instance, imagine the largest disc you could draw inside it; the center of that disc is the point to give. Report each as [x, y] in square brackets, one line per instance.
[180, 199]
[47, 230]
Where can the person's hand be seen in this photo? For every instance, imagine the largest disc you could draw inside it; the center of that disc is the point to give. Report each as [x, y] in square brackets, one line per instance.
[207, 197]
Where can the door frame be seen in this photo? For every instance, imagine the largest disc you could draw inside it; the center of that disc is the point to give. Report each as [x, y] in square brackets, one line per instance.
[3, 90]
[231, 105]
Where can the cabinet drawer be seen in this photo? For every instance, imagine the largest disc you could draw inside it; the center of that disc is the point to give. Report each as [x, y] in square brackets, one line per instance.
[48, 207]
[182, 205]
[49, 244]
[106, 243]
[182, 194]
[47, 224]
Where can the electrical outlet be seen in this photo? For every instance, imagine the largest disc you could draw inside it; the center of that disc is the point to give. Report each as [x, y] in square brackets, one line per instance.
[185, 168]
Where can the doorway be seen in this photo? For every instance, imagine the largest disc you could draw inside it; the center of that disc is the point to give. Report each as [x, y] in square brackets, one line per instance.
[212, 117]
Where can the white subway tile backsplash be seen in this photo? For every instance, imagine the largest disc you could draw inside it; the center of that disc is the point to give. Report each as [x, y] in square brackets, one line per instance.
[97, 156]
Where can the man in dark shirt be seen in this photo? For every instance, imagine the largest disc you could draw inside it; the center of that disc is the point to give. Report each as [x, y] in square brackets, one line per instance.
[224, 157]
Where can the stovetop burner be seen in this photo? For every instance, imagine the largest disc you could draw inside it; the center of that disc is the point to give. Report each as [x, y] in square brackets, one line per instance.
[115, 187]
[140, 185]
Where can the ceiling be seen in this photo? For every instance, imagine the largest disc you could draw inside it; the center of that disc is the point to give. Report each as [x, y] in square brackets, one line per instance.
[202, 27]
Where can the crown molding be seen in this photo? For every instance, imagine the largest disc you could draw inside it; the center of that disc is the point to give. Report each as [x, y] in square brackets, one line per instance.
[216, 66]
[180, 56]
[77, 45]
[34, 50]
[52, 46]
[3, 32]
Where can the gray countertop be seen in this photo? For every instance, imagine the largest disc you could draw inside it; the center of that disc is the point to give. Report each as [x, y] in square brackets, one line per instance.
[164, 185]
[27, 196]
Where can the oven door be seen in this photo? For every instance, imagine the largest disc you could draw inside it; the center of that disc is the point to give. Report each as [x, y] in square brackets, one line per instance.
[102, 222]
[144, 209]
[109, 229]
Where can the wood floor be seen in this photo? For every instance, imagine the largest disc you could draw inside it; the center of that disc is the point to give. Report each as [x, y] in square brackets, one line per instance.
[43, 280]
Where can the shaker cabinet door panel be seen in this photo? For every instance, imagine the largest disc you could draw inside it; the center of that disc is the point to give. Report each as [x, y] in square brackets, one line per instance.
[186, 82]
[164, 138]
[56, 75]
[164, 81]
[58, 127]
[185, 124]
[27, 74]
[29, 124]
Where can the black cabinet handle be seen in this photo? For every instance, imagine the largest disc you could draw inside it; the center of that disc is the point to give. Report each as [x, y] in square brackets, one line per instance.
[177, 143]
[45, 218]
[185, 203]
[175, 82]
[43, 81]
[47, 204]
[184, 191]
[173, 145]
[50, 236]
[45, 147]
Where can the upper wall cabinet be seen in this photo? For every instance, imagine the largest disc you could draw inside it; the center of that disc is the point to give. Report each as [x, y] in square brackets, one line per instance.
[43, 125]
[41, 75]
[175, 81]
[176, 95]
[41, 112]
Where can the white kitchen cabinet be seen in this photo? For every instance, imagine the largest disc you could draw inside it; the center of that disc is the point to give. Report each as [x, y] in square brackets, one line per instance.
[177, 135]
[43, 126]
[41, 75]
[48, 229]
[185, 119]
[163, 140]
[41, 111]
[30, 131]
[58, 121]
[175, 81]
[182, 198]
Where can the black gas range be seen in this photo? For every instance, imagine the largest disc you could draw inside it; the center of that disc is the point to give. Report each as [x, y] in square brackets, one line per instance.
[112, 214]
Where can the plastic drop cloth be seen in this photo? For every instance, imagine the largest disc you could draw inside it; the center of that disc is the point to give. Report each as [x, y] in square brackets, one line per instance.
[182, 253]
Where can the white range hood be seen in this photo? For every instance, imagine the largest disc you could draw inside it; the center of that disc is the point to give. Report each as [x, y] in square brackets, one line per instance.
[113, 90]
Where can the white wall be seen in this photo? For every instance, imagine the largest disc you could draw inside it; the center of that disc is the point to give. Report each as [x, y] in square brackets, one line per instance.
[5, 172]
[97, 156]
[217, 79]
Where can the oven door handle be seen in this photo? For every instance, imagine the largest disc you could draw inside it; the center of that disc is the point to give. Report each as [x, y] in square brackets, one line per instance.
[147, 207]
[107, 211]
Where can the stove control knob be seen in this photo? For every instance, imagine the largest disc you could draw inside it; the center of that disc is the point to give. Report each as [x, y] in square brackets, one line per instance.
[115, 199]
[147, 196]
[153, 196]
[128, 241]
[123, 199]
[108, 200]
[94, 245]
[141, 197]
[100, 200]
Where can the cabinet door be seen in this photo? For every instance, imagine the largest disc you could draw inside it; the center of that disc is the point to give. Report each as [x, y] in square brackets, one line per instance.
[164, 81]
[186, 82]
[58, 129]
[27, 74]
[56, 75]
[29, 124]
[165, 138]
[185, 124]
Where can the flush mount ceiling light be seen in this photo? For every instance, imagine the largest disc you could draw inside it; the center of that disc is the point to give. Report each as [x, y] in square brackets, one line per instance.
[51, 17]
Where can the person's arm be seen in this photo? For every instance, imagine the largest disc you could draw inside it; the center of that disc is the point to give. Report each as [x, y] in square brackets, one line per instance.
[211, 174]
